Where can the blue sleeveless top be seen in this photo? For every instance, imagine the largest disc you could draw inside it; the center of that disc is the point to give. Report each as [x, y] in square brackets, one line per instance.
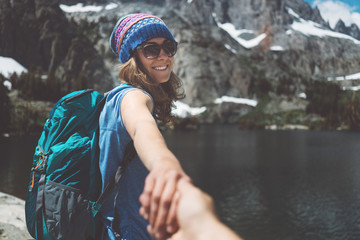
[113, 140]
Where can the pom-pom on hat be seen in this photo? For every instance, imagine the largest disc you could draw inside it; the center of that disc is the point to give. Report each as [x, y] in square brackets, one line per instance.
[134, 29]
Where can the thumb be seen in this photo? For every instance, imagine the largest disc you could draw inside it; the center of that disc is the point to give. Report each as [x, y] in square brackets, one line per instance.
[184, 185]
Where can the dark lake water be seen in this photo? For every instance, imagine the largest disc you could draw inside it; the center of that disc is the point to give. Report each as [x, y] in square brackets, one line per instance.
[277, 185]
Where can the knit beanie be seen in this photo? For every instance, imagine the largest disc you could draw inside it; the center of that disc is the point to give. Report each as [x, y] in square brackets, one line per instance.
[134, 29]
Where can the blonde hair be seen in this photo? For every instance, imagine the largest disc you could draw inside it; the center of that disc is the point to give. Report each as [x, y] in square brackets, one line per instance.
[163, 94]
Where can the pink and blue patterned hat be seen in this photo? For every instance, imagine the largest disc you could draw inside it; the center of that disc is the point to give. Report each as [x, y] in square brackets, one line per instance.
[134, 29]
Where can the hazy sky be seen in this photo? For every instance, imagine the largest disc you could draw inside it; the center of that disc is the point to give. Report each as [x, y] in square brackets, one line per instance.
[333, 10]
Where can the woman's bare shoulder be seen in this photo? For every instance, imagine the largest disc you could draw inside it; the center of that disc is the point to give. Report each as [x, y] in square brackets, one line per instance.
[136, 99]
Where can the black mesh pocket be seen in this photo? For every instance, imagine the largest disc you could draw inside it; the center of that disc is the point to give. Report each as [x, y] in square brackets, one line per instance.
[67, 214]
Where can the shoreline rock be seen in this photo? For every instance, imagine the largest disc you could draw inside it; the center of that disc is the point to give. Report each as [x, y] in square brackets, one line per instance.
[12, 218]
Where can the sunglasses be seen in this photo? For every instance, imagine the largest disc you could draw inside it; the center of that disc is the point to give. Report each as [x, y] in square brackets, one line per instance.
[152, 50]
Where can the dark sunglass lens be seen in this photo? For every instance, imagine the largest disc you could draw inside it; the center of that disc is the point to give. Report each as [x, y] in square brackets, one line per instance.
[170, 48]
[151, 50]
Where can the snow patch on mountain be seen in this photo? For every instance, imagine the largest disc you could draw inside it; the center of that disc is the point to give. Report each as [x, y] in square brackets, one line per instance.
[310, 28]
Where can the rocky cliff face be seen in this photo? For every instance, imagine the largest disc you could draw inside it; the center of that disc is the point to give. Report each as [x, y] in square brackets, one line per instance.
[235, 70]
[37, 34]
[210, 61]
[353, 30]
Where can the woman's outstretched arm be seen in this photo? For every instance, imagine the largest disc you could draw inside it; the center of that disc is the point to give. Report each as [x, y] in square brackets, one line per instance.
[165, 169]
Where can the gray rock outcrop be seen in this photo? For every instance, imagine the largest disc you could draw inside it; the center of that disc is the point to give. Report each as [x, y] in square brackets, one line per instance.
[12, 218]
[74, 48]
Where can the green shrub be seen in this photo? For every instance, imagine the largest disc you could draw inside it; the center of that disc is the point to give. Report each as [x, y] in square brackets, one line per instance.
[25, 118]
[35, 87]
[256, 119]
[324, 99]
[4, 106]
[349, 109]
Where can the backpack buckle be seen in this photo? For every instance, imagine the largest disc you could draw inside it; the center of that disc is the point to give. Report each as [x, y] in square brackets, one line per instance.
[117, 235]
[40, 170]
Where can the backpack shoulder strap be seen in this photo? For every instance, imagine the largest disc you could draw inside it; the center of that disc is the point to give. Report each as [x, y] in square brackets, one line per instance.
[129, 154]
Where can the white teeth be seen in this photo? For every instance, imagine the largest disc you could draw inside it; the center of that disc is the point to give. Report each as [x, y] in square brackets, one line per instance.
[160, 68]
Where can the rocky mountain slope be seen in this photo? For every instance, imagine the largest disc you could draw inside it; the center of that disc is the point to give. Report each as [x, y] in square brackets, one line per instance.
[38, 35]
[237, 48]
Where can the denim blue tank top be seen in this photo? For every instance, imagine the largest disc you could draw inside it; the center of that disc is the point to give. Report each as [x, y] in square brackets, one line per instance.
[113, 140]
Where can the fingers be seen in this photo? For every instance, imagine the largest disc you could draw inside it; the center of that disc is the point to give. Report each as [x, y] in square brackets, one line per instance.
[162, 200]
[171, 221]
[155, 202]
[166, 205]
[145, 197]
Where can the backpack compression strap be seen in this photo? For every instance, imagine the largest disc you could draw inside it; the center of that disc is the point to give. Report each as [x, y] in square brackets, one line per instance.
[40, 196]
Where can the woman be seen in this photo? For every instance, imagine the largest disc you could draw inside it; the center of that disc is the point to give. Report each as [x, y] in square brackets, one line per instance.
[146, 48]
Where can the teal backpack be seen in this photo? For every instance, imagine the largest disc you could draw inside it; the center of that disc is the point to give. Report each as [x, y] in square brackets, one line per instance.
[63, 195]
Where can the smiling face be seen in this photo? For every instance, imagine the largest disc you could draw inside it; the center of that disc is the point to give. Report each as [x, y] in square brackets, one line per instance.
[160, 68]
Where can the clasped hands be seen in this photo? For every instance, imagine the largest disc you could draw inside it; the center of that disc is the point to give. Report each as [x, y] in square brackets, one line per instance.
[173, 206]
[159, 201]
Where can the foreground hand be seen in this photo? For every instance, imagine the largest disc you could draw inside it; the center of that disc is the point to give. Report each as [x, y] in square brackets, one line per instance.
[195, 209]
[196, 216]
